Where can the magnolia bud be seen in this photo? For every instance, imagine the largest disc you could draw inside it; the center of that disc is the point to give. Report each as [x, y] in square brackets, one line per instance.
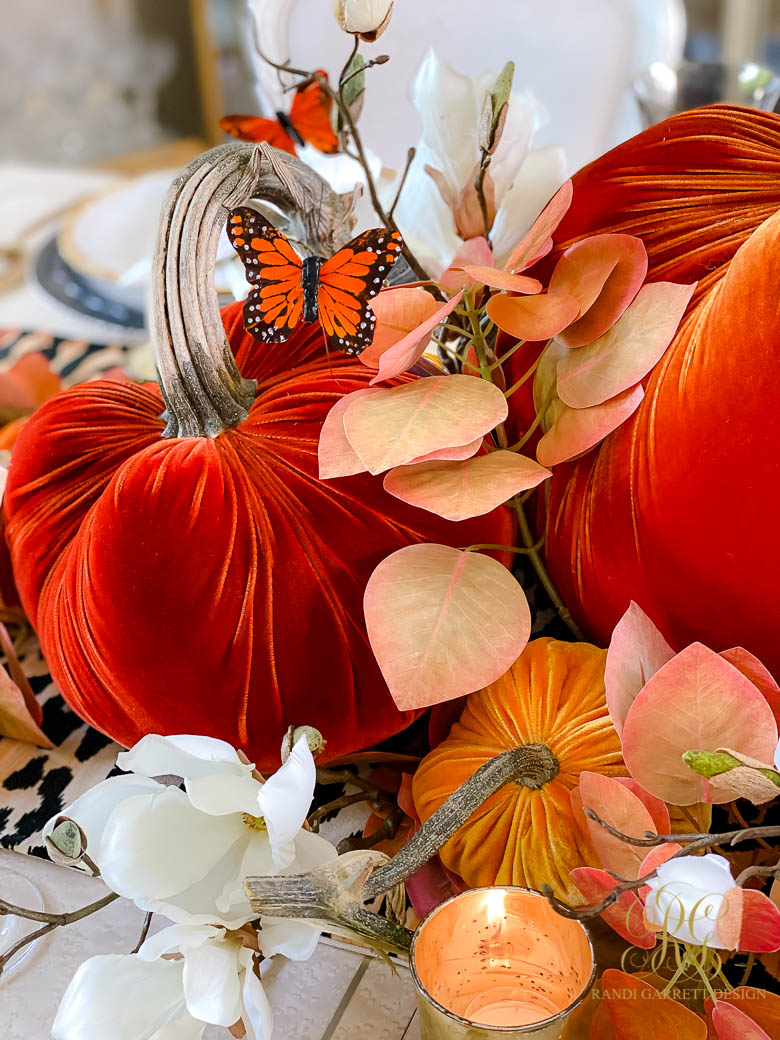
[367, 19]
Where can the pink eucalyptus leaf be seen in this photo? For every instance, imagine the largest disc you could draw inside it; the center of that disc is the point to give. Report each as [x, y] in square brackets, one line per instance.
[398, 312]
[474, 251]
[621, 809]
[394, 426]
[403, 354]
[19, 718]
[732, 1024]
[456, 454]
[760, 931]
[658, 809]
[503, 280]
[458, 490]
[577, 430]
[656, 856]
[604, 274]
[335, 454]
[538, 241]
[624, 355]
[430, 613]
[626, 916]
[758, 674]
[697, 700]
[636, 651]
[533, 317]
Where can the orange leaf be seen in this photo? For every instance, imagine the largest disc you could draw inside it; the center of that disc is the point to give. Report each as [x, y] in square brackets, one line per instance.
[503, 280]
[621, 809]
[402, 355]
[16, 718]
[397, 311]
[695, 701]
[473, 251]
[625, 916]
[577, 430]
[758, 674]
[538, 240]
[430, 613]
[760, 923]
[604, 274]
[625, 353]
[761, 1006]
[636, 651]
[336, 456]
[640, 1012]
[533, 317]
[658, 809]
[394, 426]
[732, 1024]
[458, 490]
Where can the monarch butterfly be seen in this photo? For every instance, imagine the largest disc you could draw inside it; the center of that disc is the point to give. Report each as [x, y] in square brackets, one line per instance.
[335, 292]
[307, 123]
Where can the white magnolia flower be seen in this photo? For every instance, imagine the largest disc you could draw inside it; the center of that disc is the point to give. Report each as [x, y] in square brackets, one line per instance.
[688, 896]
[185, 853]
[367, 19]
[146, 996]
[524, 178]
[777, 757]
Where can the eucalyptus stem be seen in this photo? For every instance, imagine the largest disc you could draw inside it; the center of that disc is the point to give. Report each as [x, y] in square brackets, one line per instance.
[541, 571]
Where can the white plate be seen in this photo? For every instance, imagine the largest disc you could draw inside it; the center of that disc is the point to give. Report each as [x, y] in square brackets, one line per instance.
[109, 239]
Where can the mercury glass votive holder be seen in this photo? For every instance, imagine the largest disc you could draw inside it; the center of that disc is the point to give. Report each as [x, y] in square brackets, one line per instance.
[500, 962]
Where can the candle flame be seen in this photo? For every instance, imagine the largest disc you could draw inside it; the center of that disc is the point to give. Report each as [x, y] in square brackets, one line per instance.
[496, 899]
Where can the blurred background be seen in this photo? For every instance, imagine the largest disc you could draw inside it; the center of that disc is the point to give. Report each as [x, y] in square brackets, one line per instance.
[102, 101]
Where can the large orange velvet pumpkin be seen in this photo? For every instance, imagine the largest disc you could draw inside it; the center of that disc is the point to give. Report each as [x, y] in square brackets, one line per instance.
[678, 508]
[553, 695]
[209, 582]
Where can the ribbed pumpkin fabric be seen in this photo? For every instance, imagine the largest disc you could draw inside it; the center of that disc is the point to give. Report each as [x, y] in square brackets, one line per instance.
[212, 585]
[677, 509]
[553, 695]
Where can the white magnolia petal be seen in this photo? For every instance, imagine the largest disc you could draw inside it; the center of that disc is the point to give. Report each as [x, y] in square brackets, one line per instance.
[537, 180]
[119, 997]
[449, 107]
[524, 116]
[311, 850]
[184, 1027]
[258, 861]
[777, 756]
[258, 1017]
[93, 808]
[212, 987]
[294, 939]
[424, 218]
[285, 800]
[177, 937]
[157, 845]
[221, 793]
[182, 755]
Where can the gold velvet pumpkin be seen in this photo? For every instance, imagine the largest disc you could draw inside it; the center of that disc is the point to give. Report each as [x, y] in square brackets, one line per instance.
[553, 695]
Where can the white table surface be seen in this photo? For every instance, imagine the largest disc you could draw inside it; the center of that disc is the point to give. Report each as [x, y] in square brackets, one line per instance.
[339, 994]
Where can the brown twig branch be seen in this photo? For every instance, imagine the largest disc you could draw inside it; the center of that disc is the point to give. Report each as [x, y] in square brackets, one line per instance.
[50, 921]
[144, 931]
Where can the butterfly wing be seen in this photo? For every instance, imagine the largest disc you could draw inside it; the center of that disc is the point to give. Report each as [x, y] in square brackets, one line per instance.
[255, 128]
[310, 116]
[349, 281]
[273, 307]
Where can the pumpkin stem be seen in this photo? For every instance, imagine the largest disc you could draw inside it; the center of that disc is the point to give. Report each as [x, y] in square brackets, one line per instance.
[531, 765]
[335, 893]
[203, 390]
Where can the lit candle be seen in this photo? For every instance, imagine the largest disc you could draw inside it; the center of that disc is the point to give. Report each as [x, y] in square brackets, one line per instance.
[500, 961]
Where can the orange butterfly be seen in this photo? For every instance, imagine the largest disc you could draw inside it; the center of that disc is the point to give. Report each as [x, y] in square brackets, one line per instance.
[308, 122]
[335, 292]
